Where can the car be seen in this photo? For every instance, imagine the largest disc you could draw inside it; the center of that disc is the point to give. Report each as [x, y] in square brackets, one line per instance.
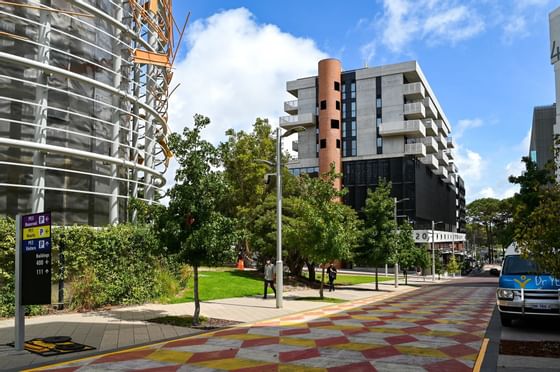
[524, 290]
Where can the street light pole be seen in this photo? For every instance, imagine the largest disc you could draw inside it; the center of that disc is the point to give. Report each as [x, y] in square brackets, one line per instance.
[279, 264]
[433, 251]
[396, 226]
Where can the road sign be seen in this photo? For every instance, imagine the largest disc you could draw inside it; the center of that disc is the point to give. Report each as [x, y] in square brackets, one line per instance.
[36, 268]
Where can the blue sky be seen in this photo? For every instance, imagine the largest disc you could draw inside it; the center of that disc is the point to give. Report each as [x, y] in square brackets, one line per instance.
[486, 60]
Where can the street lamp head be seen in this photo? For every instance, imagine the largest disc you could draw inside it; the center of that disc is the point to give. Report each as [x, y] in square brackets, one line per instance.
[267, 162]
[293, 130]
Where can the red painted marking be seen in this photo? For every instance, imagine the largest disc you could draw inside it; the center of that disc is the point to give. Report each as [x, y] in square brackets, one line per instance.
[451, 365]
[456, 351]
[213, 355]
[121, 357]
[261, 341]
[418, 329]
[395, 340]
[356, 367]
[294, 331]
[186, 342]
[290, 356]
[331, 341]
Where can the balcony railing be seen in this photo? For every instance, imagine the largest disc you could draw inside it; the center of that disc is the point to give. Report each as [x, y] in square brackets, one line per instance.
[442, 141]
[410, 128]
[431, 161]
[414, 90]
[414, 110]
[450, 155]
[304, 120]
[442, 157]
[418, 149]
[291, 107]
[452, 168]
[431, 109]
[431, 144]
[443, 127]
[450, 144]
[442, 171]
[431, 127]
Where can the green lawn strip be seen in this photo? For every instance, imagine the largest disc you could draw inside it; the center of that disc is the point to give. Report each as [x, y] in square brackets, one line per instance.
[325, 299]
[214, 285]
[346, 279]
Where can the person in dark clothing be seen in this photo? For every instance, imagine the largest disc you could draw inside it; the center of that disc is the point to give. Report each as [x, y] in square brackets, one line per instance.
[269, 276]
[331, 272]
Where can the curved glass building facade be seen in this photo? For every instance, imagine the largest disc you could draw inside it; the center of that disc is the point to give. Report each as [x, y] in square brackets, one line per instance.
[83, 101]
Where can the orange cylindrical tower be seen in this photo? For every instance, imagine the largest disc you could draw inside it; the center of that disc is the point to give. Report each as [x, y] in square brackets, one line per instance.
[330, 123]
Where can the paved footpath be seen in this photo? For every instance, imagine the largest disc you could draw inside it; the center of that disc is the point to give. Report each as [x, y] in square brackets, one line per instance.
[435, 328]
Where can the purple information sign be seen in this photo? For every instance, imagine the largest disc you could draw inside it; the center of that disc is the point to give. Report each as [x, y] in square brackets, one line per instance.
[37, 219]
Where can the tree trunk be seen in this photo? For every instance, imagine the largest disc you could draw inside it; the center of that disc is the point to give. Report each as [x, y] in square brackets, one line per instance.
[196, 316]
[405, 277]
[322, 281]
[376, 279]
[311, 271]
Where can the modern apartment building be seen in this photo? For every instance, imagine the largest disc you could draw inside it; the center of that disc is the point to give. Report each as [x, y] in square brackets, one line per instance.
[541, 145]
[554, 28]
[83, 106]
[381, 122]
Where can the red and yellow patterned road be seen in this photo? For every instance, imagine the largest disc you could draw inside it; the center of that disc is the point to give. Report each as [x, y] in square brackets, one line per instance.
[435, 328]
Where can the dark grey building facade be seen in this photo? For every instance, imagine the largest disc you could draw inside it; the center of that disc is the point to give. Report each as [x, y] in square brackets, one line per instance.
[542, 135]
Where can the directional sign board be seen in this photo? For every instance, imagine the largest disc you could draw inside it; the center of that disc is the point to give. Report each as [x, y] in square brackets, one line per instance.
[36, 259]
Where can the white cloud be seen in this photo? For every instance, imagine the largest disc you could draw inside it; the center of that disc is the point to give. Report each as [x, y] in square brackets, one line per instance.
[470, 164]
[520, 15]
[465, 124]
[433, 22]
[487, 192]
[236, 70]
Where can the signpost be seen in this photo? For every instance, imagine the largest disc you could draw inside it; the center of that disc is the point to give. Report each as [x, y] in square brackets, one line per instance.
[33, 266]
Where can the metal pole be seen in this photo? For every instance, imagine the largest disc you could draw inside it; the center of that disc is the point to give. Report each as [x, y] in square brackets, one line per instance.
[20, 309]
[396, 226]
[453, 245]
[386, 270]
[279, 267]
[433, 254]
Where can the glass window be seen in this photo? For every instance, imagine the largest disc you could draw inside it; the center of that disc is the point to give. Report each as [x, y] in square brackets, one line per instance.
[343, 131]
[336, 86]
[323, 143]
[353, 90]
[335, 124]
[533, 156]
[353, 109]
[344, 110]
[516, 265]
[353, 128]
[323, 105]
[337, 143]
[378, 102]
[354, 151]
[377, 122]
[337, 105]
[379, 142]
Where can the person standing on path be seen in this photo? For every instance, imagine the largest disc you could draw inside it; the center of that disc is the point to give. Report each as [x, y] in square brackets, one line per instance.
[269, 274]
[331, 272]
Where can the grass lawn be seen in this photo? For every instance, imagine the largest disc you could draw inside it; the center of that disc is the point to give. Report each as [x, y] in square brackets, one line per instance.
[345, 279]
[214, 285]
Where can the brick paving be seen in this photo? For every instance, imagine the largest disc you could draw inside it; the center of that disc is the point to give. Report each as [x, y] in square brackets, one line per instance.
[435, 328]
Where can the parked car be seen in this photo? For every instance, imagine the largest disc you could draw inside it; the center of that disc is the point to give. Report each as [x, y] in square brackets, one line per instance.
[524, 290]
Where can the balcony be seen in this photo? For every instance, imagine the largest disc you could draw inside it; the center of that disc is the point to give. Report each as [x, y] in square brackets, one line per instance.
[442, 141]
[430, 107]
[442, 171]
[443, 127]
[410, 128]
[431, 127]
[295, 146]
[414, 91]
[431, 161]
[431, 144]
[450, 155]
[442, 157]
[450, 144]
[303, 120]
[418, 149]
[452, 168]
[415, 110]
[291, 107]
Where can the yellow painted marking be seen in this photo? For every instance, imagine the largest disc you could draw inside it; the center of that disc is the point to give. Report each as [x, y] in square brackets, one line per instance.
[386, 330]
[170, 356]
[356, 346]
[365, 317]
[481, 354]
[440, 333]
[243, 337]
[421, 351]
[469, 357]
[293, 324]
[297, 342]
[36, 232]
[231, 363]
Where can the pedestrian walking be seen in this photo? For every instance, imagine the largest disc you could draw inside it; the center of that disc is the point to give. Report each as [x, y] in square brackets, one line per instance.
[269, 276]
[331, 272]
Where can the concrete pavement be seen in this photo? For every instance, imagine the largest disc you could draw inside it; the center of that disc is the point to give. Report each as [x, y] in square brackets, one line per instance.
[437, 329]
[127, 326]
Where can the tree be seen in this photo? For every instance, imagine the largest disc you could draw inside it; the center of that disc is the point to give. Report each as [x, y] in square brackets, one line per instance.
[422, 257]
[484, 212]
[452, 266]
[194, 224]
[379, 238]
[331, 228]
[405, 252]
